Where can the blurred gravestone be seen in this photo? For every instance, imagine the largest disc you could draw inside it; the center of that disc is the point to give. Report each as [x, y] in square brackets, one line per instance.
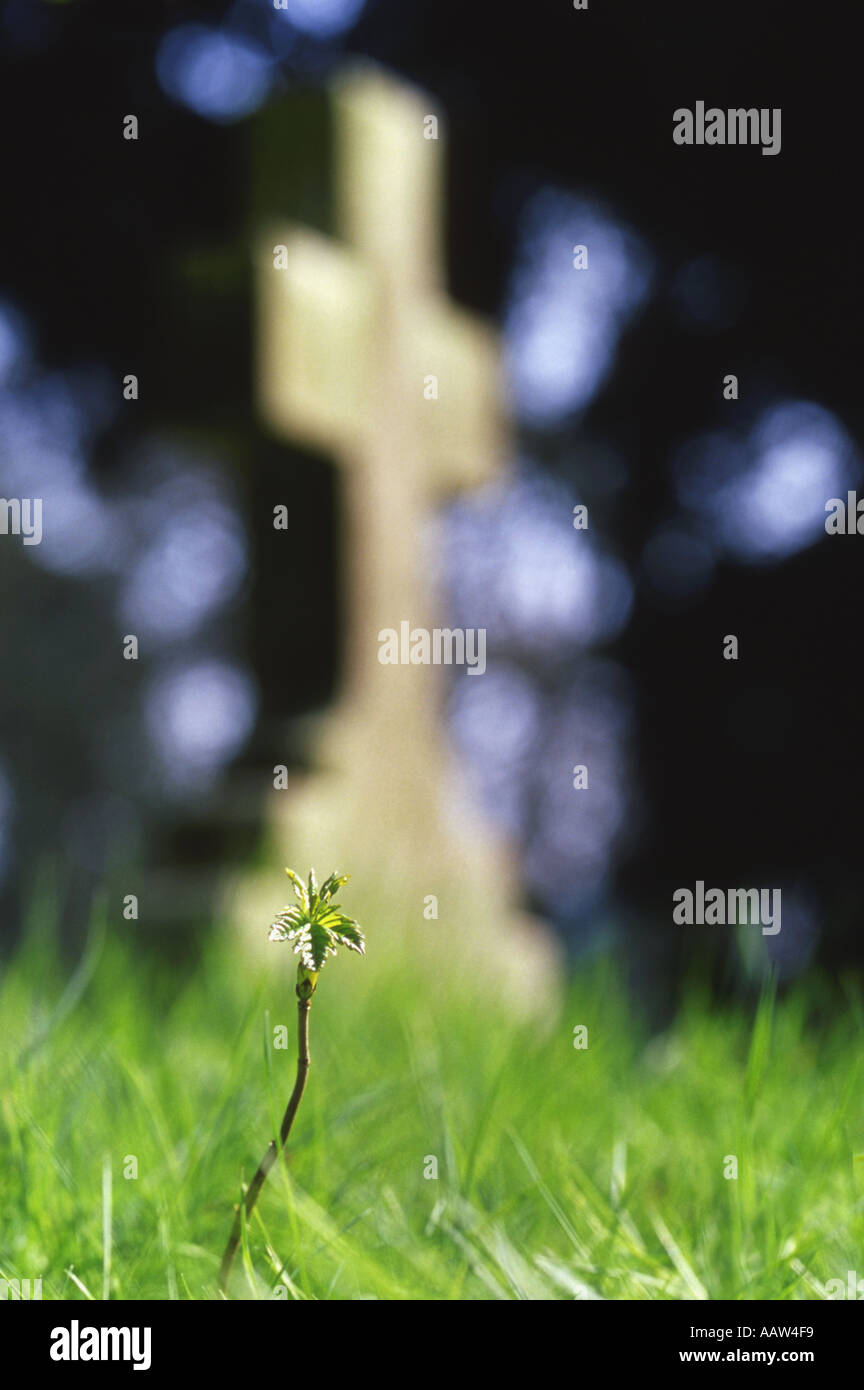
[363, 359]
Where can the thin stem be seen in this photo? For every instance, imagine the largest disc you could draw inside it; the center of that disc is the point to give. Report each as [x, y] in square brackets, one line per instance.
[269, 1158]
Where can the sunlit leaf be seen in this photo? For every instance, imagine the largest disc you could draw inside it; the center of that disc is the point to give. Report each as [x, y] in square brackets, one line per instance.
[299, 888]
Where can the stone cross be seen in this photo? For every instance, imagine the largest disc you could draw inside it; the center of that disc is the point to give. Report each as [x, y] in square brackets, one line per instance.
[363, 357]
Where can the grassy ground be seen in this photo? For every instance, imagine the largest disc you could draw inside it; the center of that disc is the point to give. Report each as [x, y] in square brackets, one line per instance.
[561, 1173]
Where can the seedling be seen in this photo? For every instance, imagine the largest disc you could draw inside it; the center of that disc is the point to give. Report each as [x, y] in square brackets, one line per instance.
[316, 925]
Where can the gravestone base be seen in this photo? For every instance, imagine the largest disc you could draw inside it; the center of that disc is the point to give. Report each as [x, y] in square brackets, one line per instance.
[403, 851]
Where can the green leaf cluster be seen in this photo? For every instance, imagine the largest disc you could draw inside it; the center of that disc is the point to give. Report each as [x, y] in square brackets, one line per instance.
[315, 924]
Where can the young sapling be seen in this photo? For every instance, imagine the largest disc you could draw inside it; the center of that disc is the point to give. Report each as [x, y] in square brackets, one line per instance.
[316, 925]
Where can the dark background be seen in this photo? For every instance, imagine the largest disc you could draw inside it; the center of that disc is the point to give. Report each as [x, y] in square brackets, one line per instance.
[128, 257]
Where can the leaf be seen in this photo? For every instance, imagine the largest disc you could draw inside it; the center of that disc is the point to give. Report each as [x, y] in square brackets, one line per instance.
[349, 936]
[286, 924]
[317, 946]
[299, 888]
[291, 916]
[345, 929]
[313, 891]
[333, 884]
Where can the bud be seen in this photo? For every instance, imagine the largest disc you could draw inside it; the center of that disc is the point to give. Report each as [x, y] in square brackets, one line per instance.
[306, 982]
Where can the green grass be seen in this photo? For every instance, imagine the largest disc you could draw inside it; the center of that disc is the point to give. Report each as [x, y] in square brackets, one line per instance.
[561, 1173]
